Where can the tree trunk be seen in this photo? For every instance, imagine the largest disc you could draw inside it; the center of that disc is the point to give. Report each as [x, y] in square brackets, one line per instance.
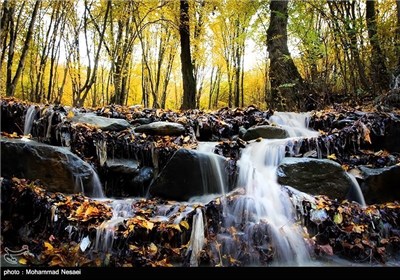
[11, 87]
[398, 34]
[286, 82]
[379, 72]
[189, 83]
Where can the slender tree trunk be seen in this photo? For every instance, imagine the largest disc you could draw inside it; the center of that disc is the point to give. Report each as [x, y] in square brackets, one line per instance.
[286, 82]
[379, 72]
[24, 52]
[398, 34]
[189, 83]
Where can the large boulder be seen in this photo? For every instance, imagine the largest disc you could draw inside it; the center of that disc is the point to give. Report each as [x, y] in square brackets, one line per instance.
[124, 178]
[265, 131]
[380, 185]
[103, 123]
[161, 128]
[125, 166]
[191, 173]
[56, 167]
[315, 177]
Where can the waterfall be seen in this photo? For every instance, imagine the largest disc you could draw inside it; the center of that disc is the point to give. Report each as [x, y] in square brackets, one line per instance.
[212, 170]
[121, 210]
[207, 147]
[355, 191]
[95, 186]
[265, 200]
[296, 124]
[101, 151]
[29, 118]
[197, 238]
[50, 122]
[214, 178]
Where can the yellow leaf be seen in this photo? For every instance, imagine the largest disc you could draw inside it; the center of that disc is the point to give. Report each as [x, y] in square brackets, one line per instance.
[338, 218]
[358, 228]
[392, 205]
[22, 261]
[332, 156]
[79, 210]
[56, 261]
[185, 224]
[91, 211]
[175, 226]
[152, 249]
[48, 246]
[133, 248]
[70, 115]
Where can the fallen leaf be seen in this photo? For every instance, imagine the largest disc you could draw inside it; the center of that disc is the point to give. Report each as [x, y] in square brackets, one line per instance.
[332, 157]
[327, 249]
[338, 218]
[175, 226]
[48, 246]
[185, 224]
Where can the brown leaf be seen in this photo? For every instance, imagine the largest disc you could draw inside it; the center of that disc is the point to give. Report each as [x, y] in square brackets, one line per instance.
[327, 249]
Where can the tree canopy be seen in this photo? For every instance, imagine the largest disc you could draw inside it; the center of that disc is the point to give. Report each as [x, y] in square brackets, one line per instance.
[286, 55]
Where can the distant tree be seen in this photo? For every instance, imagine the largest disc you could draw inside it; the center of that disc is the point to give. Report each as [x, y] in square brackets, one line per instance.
[379, 73]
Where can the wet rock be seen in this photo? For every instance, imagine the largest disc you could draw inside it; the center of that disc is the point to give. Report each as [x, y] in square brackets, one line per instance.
[141, 182]
[265, 131]
[56, 167]
[315, 176]
[103, 123]
[392, 136]
[141, 121]
[126, 166]
[118, 176]
[161, 128]
[380, 185]
[189, 173]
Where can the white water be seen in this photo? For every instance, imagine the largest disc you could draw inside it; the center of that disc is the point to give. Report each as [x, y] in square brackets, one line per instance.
[356, 190]
[265, 199]
[29, 118]
[121, 210]
[197, 238]
[101, 151]
[95, 187]
[207, 147]
[296, 124]
[50, 121]
[212, 169]
[213, 177]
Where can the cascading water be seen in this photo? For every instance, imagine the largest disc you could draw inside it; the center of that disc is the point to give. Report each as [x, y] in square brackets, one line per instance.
[212, 169]
[213, 179]
[121, 210]
[296, 124]
[207, 147]
[356, 192]
[197, 238]
[29, 118]
[95, 186]
[265, 200]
